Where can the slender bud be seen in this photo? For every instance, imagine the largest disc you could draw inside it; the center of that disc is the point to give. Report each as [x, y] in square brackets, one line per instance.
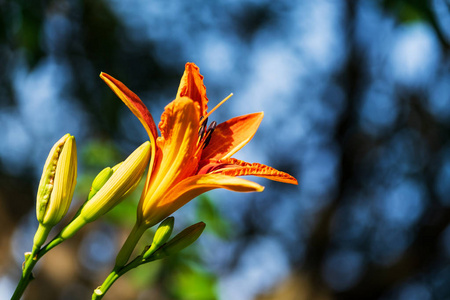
[100, 181]
[162, 235]
[182, 240]
[123, 181]
[56, 187]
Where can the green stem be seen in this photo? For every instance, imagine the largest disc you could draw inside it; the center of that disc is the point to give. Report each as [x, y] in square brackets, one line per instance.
[113, 276]
[29, 264]
[40, 236]
[129, 245]
[26, 277]
[100, 291]
[121, 267]
[37, 252]
[53, 243]
[73, 227]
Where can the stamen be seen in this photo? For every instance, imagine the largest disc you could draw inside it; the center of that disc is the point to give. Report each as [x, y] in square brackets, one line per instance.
[216, 107]
[209, 133]
[201, 132]
[202, 129]
[212, 126]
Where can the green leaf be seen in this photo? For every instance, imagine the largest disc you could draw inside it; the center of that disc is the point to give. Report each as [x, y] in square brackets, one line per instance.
[190, 283]
[209, 213]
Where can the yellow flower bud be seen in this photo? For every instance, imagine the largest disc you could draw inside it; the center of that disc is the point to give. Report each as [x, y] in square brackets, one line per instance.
[182, 240]
[123, 181]
[56, 187]
[162, 234]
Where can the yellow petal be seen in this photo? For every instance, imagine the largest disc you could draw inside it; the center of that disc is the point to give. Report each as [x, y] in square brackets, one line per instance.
[177, 147]
[58, 182]
[230, 136]
[190, 188]
[64, 184]
[46, 183]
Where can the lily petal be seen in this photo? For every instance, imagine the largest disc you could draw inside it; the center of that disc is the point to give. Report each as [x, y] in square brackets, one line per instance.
[191, 187]
[192, 86]
[230, 136]
[179, 123]
[177, 146]
[134, 104]
[236, 167]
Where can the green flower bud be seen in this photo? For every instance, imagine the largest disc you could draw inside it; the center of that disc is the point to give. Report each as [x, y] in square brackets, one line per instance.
[123, 181]
[100, 180]
[182, 240]
[56, 187]
[162, 235]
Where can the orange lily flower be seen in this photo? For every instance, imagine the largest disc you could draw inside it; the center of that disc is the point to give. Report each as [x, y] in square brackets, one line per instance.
[189, 158]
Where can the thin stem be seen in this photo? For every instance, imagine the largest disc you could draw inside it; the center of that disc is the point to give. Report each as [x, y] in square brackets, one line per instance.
[26, 277]
[40, 236]
[29, 264]
[121, 267]
[129, 245]
[100, 291]
[53, 243]
[113, 276]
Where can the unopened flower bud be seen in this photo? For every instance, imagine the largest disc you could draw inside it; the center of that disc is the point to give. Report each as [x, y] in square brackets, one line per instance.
[182, 240]
[117, 166]
[162, 235]
[123, 181]
[56, 187]
[100, 181]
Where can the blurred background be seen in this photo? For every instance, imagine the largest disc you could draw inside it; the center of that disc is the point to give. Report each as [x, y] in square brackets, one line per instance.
[356, 96]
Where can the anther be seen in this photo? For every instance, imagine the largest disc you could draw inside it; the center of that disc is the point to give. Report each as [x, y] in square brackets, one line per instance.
[201, 132]
[212, 126]
[209, 133]
[202, 129]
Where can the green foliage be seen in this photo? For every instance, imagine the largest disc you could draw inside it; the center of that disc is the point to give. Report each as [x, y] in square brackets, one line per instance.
[100, 154]
[145, 276]
[208, 212]
[193, 283]
[408, 11]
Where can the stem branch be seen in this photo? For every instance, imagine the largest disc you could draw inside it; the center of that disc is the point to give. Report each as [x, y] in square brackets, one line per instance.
[29, 264]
